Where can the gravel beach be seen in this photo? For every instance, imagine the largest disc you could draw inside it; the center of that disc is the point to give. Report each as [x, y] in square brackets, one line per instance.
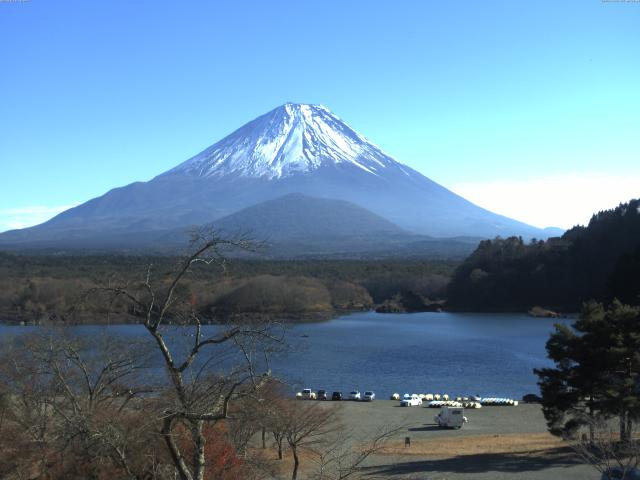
[496, 443]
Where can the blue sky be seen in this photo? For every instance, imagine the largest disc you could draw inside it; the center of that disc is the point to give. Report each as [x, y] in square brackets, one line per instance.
[531, 109]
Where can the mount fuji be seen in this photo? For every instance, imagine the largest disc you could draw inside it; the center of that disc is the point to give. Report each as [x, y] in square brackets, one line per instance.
[293, 149]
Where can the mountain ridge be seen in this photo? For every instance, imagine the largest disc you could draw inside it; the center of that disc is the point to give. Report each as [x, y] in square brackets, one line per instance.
[296, 215]
[295, 148]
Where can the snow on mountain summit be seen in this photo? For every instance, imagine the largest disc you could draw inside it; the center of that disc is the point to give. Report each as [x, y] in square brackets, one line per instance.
[295, 149]
[293, 138]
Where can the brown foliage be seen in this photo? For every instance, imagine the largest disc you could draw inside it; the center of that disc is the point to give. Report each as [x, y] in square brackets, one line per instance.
[268, 294]
[67, 411]
[349, 296]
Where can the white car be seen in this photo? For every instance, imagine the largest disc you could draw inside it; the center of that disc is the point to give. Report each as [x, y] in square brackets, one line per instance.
[368, 396]
[307, 394]
[410, 400]
[355, 395]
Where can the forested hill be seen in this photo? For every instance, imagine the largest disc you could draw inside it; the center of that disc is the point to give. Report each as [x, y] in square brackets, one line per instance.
[600, 261]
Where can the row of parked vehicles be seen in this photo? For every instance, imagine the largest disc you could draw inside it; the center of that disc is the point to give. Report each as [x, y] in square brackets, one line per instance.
[308, 394]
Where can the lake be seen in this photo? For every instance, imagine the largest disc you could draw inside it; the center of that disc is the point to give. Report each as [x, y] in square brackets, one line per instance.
[454, 353]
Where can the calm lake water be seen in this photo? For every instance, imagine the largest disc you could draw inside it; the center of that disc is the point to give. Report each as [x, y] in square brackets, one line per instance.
[454, 353]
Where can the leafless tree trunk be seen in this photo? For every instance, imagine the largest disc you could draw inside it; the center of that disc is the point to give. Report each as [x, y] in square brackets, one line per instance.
[279, 438]
[296, 461]
[202, 383]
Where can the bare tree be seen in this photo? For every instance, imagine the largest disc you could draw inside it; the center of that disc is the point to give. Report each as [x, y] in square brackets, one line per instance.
[345, 454]
[271, 409]
[206, 369]
[74, 402]
[306, 425]
[25, 420]
[604, 449]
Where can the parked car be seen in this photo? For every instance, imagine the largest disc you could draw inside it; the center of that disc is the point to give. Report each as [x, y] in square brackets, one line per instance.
[368, 396]
[354, 395]
[410, 400]
[307, 394]
[322, 395]
[336, 396]
[618, 473]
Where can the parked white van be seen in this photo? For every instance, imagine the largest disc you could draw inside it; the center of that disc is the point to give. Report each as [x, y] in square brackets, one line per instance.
[307, 394]
[451, 417]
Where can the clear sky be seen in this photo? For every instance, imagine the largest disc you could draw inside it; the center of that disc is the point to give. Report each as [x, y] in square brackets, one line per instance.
[531, 109]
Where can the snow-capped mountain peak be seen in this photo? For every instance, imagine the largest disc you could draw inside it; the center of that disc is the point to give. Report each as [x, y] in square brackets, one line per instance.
[292, 150]
[293, 138]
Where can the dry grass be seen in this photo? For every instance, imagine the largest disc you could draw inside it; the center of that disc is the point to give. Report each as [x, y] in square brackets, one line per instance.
[532, 443]
[268, 459]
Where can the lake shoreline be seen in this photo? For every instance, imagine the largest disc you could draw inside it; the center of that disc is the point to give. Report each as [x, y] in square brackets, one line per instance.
[290, 319]
[285, 318]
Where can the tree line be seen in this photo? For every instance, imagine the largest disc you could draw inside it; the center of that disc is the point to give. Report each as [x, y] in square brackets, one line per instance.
[599, 261]
[47, 289]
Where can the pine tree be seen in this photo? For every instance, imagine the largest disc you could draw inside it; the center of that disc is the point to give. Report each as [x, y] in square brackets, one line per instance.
[597, 370]
[622, 395]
